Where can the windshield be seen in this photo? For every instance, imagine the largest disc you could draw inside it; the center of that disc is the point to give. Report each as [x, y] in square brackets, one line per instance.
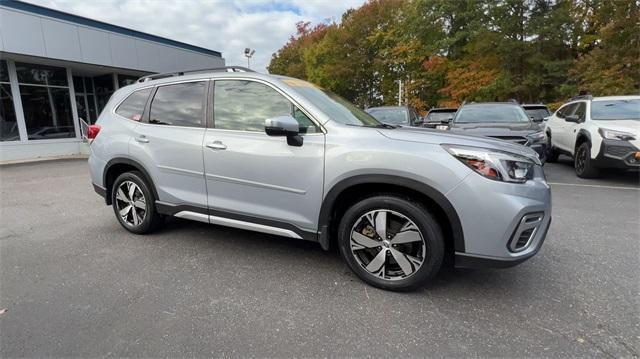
[537, 113]
[616, 110]
[394, 116]
[439, 116]
[502, 113]
[336, 107]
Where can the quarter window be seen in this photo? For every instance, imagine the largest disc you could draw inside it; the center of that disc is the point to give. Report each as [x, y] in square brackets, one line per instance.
[179, 105]
[244, 105]
[133, 107]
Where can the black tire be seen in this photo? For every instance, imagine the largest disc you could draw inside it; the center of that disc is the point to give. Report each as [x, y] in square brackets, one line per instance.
[582, 162]
[151, 219]
[551, 154]
[429, 232]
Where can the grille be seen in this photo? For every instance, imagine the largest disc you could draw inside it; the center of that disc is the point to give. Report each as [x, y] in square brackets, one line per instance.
[617, 151]
[524, 238]
[516, 139]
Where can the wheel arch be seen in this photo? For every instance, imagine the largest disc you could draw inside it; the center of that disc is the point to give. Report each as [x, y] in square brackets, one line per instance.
[582, 137]
[117, 166]
[348, 190]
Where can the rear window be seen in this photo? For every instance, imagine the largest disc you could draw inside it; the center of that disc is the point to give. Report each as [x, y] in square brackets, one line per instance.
[490, 113]
[394, 116]
[133, 107]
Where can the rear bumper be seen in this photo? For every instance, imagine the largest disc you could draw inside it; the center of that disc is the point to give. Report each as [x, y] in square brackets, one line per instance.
[618, 154]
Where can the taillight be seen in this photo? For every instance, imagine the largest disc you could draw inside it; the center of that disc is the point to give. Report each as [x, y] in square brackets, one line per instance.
[93, 131]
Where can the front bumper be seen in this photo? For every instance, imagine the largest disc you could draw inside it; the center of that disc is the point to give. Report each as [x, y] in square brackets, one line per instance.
[494, 215]
[618, 154]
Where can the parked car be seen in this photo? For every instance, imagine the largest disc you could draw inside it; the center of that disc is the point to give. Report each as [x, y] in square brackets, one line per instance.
[537, 112]
[501, 120]
[281, 156]
[598, 132]
[439, 116]
[396, 115]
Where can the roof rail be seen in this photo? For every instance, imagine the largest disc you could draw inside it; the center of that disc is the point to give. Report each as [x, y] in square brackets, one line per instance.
[582, 97]
[181, 73]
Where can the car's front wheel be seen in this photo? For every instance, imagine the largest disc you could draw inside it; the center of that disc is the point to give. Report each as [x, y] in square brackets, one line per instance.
[391, 242]
[134, 204]
[584, 166]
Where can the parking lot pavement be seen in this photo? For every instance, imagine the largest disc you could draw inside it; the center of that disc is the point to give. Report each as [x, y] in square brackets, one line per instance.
[76, 284]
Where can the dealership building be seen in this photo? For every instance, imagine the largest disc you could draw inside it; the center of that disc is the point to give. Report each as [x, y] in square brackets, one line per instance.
[57, 68]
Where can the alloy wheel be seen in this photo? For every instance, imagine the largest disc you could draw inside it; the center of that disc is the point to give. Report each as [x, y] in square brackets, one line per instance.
[387, 244]
[131, 204]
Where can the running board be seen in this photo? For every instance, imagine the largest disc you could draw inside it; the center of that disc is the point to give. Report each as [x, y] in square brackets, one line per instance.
[228, 222]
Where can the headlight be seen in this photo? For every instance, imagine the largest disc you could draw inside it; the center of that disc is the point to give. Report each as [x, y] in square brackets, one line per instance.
[536, 137]
[495, 164]
[616, 135]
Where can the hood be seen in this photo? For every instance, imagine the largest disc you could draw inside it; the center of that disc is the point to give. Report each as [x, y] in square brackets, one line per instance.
[497, 129]
[631, 126]
[438, 137]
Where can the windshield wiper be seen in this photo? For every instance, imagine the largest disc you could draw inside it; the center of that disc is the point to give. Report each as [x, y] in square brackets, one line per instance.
[385, 125]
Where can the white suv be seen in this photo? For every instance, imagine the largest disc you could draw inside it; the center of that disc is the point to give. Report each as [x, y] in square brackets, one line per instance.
[598, 132]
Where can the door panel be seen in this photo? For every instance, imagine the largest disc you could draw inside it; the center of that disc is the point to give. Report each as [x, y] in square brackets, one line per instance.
[169, 142]
[252, 174]
[262, 176]
[173, 158]
[560, 130]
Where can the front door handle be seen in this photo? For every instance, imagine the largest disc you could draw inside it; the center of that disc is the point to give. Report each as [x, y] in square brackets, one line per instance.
[142, 139]
[217, 145]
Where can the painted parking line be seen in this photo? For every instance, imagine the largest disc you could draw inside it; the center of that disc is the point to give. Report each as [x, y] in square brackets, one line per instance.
[593, 185]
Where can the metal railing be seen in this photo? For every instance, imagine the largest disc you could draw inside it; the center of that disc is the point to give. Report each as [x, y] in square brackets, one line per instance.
[182, 73]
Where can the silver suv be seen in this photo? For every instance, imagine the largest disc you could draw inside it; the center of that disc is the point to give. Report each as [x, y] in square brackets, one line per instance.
[281, 156]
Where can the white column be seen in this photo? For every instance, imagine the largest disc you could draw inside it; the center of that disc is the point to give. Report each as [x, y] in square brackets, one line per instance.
[17, 101]
[74, 108]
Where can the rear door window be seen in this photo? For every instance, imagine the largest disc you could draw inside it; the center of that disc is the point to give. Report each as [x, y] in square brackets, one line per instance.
[180, 104]
[133, 107]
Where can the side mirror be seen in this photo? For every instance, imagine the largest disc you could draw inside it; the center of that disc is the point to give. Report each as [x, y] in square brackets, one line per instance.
[545, 119]
[572, 118]
[284, 126]
[447, 121]
[536, 119]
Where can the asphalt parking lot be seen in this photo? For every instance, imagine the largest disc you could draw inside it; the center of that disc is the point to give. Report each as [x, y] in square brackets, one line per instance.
[76, 284]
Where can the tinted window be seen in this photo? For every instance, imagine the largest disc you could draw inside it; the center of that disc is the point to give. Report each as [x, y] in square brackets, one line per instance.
[41, 74]
[616, 110]
[244, 105]
[537, 113]
[566, 110]
[491, 114]
[580, 110]
[393, 116]
[179, 105]
[133, 107]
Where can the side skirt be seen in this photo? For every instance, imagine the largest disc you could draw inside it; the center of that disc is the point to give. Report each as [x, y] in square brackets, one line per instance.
[235, 220]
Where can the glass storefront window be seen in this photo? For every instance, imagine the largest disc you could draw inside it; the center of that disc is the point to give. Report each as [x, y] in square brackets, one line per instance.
[45, 101]
[8, 122]
[4, 71]
[124, 80]
[41, 75]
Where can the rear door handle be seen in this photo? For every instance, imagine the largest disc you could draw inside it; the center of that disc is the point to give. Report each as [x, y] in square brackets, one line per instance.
[217, 145]
[142, 139]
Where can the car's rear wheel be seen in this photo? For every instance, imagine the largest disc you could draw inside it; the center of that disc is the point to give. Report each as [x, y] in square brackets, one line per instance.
[134, 204]
[551, 154]
[583, 164]
[391, 242]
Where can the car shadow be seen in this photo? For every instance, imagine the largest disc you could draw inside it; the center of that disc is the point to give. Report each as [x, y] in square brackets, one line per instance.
[279, 251]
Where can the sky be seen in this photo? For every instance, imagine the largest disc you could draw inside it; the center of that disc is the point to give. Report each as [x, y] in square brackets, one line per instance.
[228, 26]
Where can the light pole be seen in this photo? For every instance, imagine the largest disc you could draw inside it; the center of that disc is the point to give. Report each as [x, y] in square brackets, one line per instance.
[249, 53]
